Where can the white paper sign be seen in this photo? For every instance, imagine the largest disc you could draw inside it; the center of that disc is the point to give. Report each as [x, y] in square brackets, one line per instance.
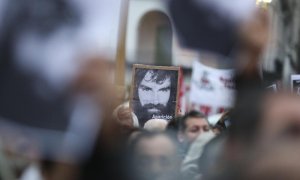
[212, 90]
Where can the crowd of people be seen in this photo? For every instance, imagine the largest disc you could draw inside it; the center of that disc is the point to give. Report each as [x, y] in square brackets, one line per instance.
[257, 139]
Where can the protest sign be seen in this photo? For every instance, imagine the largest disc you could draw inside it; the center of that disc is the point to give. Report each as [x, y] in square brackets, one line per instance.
[154, 92]
[212, 90]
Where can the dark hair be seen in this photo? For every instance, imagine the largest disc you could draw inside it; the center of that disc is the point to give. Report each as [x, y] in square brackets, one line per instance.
[246, 115]
[132, 166]
[173, 124]
[159, 76]
[191, 114]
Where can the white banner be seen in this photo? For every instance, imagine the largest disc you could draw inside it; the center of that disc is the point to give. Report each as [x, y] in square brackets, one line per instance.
[212, 90]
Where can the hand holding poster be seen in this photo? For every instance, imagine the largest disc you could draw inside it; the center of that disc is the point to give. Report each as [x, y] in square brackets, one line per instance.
[212, 90]
[154, 92]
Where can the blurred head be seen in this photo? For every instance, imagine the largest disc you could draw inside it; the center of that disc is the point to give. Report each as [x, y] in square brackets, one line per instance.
[154, 156]
[281, 117]
[191, 126]
[276, 161]
[261, 119]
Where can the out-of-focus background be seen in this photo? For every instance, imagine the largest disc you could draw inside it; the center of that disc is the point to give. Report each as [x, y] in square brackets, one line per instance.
[69, 81]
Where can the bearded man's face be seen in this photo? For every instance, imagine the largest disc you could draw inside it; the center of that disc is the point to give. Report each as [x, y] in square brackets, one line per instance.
[154, 96]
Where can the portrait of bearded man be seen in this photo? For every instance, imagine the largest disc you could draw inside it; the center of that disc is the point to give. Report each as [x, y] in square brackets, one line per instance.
[155, 94]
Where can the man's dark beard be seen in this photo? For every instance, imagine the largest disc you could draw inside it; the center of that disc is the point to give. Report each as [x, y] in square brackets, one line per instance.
[160, 107]
[143, 115]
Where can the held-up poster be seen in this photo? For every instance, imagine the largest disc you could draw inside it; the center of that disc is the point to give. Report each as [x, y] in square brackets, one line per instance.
[154, 92]
[212, 90]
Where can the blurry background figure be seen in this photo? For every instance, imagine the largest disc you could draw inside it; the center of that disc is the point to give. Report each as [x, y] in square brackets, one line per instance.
[156, 125]
[32, 172]
[192, 125]
[190, 165]
[21, 155]
[56, 75]
[243, 39]
[154, 157]
[281, 118]
[8, 170]
[210, 154]
[278, 161]
[46, 47]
